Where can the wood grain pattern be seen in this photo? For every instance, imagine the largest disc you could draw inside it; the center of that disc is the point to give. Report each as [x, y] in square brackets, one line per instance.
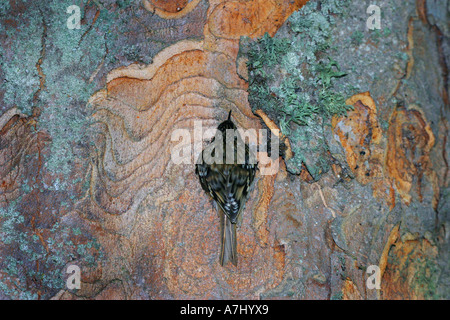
[156, 209]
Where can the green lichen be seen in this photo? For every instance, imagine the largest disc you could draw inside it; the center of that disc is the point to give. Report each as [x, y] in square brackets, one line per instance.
[18, 60]
[292, 78]
[34, 259]
[265, 54]
[48, 67]
[377, 35]
[64, 116]
[337, 296]
[426, 278]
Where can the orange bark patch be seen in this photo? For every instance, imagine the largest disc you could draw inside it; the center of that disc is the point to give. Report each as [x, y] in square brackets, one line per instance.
[234, 19]
[266, 187]
[357, 133]
[170, 5]
[141, 94]
[170, 9]
[350, 291]
[276, 131]
[410, 140]
[393, 236]
[411, 271]
[360, 135]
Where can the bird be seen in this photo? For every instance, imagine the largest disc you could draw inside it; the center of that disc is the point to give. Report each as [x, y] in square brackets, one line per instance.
[227, 182]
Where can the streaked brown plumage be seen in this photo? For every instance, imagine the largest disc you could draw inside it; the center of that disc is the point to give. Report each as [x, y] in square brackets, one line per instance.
[227, 183]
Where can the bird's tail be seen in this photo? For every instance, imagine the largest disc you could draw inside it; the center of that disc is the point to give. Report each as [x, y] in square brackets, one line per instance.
[228, 247]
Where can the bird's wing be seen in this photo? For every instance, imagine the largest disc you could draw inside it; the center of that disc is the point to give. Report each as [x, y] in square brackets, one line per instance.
[228, 184]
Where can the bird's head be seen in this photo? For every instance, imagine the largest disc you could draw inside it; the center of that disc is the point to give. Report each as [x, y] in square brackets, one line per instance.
[227, 124]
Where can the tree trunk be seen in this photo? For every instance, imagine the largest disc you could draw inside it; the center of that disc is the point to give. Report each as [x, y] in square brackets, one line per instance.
[89, 119]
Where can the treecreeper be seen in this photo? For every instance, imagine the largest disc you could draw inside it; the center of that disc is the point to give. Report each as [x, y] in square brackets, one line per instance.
[226, 169]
